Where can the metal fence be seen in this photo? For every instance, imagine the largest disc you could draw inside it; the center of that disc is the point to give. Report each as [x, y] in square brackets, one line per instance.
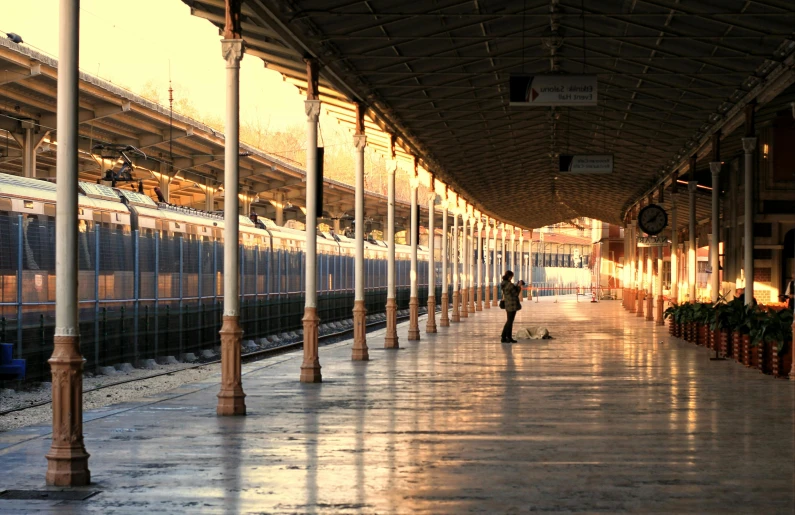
[144, 294]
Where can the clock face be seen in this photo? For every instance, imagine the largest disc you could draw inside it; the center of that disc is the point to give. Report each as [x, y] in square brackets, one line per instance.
[652, 219]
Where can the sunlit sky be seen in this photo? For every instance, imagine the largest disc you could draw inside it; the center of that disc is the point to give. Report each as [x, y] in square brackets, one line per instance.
[132, 43]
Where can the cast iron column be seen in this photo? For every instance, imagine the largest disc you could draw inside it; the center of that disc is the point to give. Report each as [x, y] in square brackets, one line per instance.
[444, 320]
[749, 145]
[430, 325]
[359, 352]
[391, 338]
[691, 242]
[479, 261]
[67, 460]
[414, 304]
[714, 244]
[231, 399]
[310, 367]
[471, 294]
[456, 315]
[465, 259]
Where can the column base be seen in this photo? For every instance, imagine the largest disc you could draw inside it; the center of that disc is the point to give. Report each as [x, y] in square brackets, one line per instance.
[639, 309]
[391, 338]
[660, 317]
[414, 312]
[430, 325]
[495, 301]
[487, 297]
[649, 307]
[632, 303]
[310, 367]
[479, 305]
[444, 320]
[464, 310]
[67, 460]
[456, 315]
[471, 296]
[359, 351]
[231, 399]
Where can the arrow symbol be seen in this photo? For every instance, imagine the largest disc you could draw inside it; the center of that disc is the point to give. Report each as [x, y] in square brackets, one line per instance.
[533, 94]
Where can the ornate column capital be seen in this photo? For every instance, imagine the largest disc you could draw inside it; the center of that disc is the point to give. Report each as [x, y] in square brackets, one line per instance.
[749, 144]
[692, 186]
[232, 51]
[391, 166]
[359, 141]
[715, 167]
[312, 109]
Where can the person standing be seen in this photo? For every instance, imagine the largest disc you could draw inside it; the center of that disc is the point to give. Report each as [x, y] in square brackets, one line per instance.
[510, 298]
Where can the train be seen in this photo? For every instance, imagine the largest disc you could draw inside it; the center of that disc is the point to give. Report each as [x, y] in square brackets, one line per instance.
[150, 275]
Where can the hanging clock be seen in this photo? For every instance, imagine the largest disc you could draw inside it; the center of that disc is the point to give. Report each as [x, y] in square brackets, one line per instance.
[652, 219]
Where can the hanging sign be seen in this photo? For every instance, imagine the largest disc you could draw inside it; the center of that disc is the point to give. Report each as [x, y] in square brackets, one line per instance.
[586, 164]
[653, 241]
[552, 90]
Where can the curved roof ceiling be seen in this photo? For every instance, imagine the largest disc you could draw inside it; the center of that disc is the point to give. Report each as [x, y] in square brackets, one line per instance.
[670, 73]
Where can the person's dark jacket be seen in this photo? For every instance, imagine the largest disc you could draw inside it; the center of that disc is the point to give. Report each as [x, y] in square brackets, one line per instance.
[510, 294]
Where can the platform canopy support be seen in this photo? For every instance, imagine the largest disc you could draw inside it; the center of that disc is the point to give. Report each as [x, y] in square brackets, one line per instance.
[67, 460]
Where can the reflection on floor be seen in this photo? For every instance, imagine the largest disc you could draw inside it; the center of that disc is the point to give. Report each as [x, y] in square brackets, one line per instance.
[611, 415]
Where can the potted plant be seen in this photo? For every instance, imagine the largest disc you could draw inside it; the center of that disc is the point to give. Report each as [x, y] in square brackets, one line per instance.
[701, 315]
[771, 339]
[739, 317]
[672, 315]
[719, 326]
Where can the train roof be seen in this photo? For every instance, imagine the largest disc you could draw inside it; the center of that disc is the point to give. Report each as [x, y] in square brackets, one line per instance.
[45, 191]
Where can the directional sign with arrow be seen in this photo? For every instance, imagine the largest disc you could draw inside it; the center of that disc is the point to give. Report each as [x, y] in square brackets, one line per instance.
[553, 90]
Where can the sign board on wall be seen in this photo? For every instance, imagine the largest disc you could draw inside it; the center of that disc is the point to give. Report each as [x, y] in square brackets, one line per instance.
[553, 90]
[586, 164]
[653, 241]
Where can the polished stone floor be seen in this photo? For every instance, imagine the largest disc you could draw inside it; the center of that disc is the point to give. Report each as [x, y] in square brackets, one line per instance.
[612, 415]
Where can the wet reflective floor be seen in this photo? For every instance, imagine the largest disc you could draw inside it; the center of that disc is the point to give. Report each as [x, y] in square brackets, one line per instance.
[612, 415]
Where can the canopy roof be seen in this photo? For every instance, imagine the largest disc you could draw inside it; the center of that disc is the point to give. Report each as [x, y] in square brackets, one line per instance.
[435, 74]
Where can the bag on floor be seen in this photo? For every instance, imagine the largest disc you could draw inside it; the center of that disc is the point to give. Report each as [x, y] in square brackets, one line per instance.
[533, 333]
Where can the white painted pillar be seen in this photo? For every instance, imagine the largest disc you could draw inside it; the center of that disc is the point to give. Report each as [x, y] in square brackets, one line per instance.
[444, 321]
[456, 315]
[466, 257]
[512, 253]
[505, 264]
[391, 338]
[310, 367]
[430, 326]
[231, 399]
[674, 249]
[495, 271]
[749, 146]
[691, 241]
[359, 351]
[414, 331]
[714, 244]
[479, 261]
[472, 259]
[67, 460]
[521, 261]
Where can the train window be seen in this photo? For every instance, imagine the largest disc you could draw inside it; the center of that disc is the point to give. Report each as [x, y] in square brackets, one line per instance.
[28, 204]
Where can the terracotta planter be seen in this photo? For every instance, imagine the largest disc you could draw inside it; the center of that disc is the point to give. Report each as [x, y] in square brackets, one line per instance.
[735, 347]
[781, 363]
[756, 356]
[746, 350]
[701, 334]
[723, 342]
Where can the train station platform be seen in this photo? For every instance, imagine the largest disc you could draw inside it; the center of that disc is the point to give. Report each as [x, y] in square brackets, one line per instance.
[611, 415]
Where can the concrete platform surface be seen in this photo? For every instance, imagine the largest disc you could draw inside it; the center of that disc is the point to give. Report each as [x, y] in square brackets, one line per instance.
[612, 415]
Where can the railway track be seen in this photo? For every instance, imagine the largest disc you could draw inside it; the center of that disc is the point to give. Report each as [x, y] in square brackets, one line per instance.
[246, 358]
